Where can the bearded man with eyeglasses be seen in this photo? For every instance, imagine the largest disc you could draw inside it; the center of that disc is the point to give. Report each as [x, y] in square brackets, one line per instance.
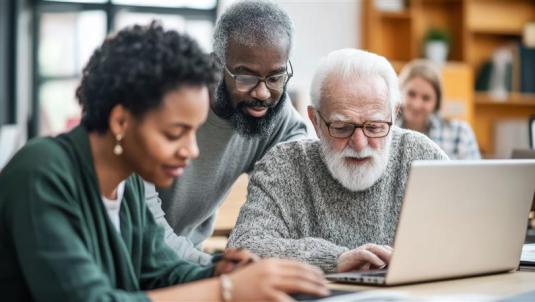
[249, 113]
[335, 202]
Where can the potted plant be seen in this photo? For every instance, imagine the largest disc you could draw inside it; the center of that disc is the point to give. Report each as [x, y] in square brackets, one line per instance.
[436, 45]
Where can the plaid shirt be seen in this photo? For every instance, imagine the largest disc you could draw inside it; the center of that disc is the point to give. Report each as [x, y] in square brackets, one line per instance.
[455, 137]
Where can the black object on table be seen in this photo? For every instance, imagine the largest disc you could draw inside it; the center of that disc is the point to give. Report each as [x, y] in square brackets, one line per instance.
[334, 292]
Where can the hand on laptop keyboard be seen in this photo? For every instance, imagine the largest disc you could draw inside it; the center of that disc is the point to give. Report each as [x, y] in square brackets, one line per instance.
[366, 257]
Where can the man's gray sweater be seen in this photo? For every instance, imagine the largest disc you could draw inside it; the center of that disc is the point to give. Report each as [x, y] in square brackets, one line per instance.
[187, 209]
[296, 209]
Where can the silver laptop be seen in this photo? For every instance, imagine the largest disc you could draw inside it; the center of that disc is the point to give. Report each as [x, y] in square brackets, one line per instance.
[523, 154]
[458, 218]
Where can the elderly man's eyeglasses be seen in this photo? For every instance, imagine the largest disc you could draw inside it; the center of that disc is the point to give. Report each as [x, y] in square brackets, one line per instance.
[371, 129]
[246, 83]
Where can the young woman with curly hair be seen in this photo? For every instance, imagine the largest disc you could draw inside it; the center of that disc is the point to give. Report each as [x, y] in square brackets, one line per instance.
[73, 221]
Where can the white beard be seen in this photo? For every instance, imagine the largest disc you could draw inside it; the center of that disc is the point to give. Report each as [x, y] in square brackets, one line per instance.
[357, 177]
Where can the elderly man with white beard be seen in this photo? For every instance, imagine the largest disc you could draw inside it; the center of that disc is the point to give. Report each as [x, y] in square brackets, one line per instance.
[335, 202]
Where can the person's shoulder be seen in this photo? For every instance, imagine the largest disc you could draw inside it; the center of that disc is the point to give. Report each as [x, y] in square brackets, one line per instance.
[417, 145]
[42, 153]
[292, 149]
[285, 165]
[41, 166]
[461, 125]
[459, 130]
[453, 124]
[290, 153]
[407, 136]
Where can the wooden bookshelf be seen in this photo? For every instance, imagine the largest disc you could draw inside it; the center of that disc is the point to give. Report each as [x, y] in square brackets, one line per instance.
[513, 100]
[489, 111]
[499, 16]
[477, 28]
[395, 15]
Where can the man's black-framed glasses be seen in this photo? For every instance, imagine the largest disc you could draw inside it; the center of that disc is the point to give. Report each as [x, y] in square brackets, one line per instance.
[246, 83]
[371, 129]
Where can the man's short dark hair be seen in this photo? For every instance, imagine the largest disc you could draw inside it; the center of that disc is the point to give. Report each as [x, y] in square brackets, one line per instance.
[252, 23]
[136, 67]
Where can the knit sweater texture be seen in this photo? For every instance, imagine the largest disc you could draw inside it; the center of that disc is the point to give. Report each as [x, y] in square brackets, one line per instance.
[295, 209]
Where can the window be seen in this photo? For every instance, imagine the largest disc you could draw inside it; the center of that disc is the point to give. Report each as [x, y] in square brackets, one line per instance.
[197, 4]
[7, 61]
[69, 31]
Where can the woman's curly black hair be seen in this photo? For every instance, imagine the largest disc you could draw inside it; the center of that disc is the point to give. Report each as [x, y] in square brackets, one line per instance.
[136, 68]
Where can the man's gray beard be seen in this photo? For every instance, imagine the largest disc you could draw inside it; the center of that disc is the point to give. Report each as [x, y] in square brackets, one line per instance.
[356, 177]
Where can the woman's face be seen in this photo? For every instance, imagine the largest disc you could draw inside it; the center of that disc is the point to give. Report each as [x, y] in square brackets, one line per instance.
[420, 101]
[158, 145]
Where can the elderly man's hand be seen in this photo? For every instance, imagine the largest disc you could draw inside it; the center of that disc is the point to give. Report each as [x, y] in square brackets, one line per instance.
[365, 257]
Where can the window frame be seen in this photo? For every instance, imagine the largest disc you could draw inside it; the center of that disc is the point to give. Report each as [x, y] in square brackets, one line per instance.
[8, 58]
[41, 7]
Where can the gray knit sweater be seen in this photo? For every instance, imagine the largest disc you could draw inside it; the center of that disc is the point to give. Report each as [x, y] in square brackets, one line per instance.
[295, 209]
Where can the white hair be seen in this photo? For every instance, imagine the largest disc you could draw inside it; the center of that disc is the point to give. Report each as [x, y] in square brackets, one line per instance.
[349, 64]
[251, 23]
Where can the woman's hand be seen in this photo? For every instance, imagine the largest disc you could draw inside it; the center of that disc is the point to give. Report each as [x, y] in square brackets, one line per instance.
[233, 259]
[274, 279]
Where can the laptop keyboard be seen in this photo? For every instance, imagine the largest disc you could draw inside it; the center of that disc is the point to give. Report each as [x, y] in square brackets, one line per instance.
[380, 273]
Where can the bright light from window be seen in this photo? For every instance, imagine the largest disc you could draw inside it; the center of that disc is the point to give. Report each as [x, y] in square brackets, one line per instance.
[67, 40]
[81, 1]
[56, 48]
[91, 27]
[126, 18]
[198, 4]
[201, 31]
[59, 108]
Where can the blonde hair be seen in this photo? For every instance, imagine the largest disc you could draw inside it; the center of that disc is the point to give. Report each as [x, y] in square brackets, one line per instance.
[427, 71]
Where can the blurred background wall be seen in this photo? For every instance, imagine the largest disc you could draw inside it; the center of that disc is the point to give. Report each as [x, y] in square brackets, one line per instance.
[44, 45]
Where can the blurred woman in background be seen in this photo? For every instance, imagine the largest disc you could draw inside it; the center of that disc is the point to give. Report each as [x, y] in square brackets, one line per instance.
[73, 219]
[422, 96]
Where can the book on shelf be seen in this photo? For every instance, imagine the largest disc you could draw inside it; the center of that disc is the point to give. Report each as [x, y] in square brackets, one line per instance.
[527, 69]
